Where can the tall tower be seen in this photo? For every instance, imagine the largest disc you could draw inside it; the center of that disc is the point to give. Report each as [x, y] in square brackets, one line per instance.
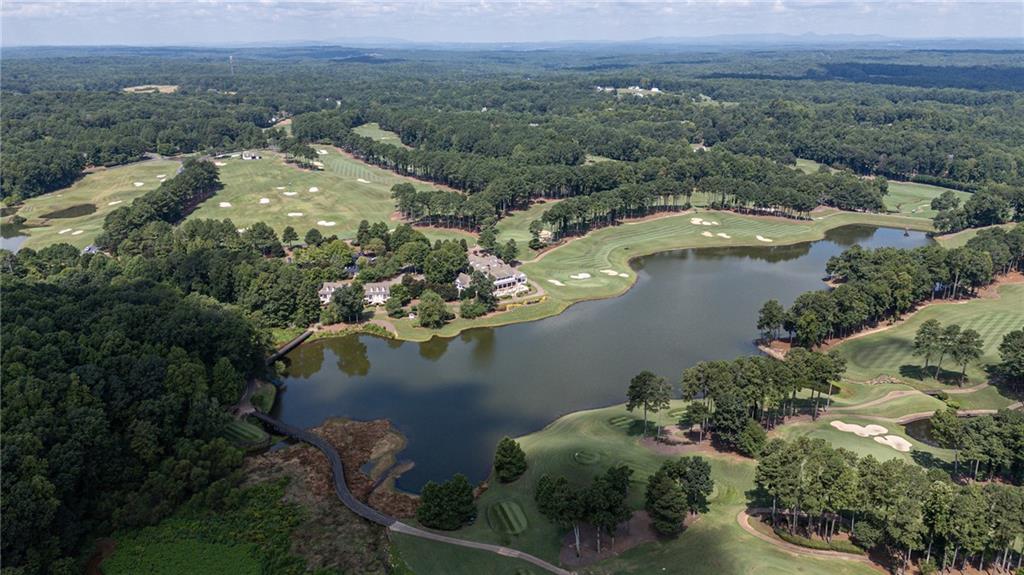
[231, 61]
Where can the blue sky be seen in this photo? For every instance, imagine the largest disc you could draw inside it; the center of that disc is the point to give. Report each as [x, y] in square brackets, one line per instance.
[180, 22]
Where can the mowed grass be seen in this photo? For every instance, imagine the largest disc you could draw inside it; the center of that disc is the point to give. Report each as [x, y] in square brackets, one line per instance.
[713, 545]
[890, 352]
[960, 239]
[180, 558]
[516, 226]
[914, 199]
[862, 446]
[244, 434]
[611, 249]
[810, 166]
[375, 132]
[99, 189]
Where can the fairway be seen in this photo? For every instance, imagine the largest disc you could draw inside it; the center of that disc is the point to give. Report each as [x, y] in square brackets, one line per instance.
[516, 226]
[960, 239]
[106, 189]
[375, 132]
[914, 199]
[890, 352]
[596, 266]
[715, 544]
[507, 517]
[268, 190]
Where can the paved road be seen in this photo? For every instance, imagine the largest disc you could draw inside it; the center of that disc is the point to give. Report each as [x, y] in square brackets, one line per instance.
[371, 514]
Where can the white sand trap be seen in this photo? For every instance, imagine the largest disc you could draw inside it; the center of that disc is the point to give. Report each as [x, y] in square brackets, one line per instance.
[64, 231]
[610, 272]
[707, 234]
[264, 201]
[696, 221]
[279, 188]
[219, 164]
[114, 203]
[623, 275]
[326, 224]
[714, 223]
[291, 193]
[139, 184]
[859, 430]
[225, 204]
[707, 223]
[294, 214]
[161, 176]
[314, 189]
[322, 152]
[726, 236]
[240, 230]
[896, 442]
[580, 276]
[362, 181]
[556, 282]
[764, 239]
[76, 232]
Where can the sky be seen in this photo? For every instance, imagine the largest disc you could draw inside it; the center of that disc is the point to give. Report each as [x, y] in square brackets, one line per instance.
[213, 22]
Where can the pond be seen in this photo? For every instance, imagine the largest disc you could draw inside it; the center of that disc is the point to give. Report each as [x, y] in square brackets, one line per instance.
[455, 398]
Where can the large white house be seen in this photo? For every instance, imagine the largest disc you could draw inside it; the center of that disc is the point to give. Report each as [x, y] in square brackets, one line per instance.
[326, 291]
[377, 293]
[508, 280]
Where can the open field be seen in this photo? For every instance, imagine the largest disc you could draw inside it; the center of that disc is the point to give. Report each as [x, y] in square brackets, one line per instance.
[611, 249]
[517, 226]
[960, 239]
[375, 132]
[809, 166]
[584, 444]
[100, 188]
[151, 89]
[913, 199]
[890, 352]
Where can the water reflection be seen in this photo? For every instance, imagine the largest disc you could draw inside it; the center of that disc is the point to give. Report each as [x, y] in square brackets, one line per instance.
[455, 398]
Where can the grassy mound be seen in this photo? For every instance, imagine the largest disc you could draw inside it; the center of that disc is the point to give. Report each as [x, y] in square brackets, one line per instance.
[507, 517]
[586, 457]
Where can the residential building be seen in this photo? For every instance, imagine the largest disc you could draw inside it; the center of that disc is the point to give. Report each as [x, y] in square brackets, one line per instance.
[462, 282]
[507, 279]
[377, 293]
[327, 290]
[250, 155]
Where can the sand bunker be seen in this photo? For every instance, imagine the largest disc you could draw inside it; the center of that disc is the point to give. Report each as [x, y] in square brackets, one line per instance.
[896, 442]
[726, 236]
[763, 239]
[225, 204]
[279, 188]
[240, 230]
[291, 193]
[580, 276]
[161, 176]
[322, 152]
[139, 184]
[707, 223]
[556, 282]
[622, 275]
[294, 214]
[362, 181]
[707, 234]
[76, 232]
[325, 223]
[219, 164]
[64, 231]
[696, 221]
[114, 203]
[859, 430]
[610, 272]
[314, 189]
[264, 200]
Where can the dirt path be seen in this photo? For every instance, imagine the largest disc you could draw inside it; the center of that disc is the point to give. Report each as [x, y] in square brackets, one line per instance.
[743, 518]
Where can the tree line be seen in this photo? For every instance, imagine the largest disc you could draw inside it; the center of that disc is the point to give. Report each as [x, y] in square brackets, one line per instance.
[882, 284]
[896, 507]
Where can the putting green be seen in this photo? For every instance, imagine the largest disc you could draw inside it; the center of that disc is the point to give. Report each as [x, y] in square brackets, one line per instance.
[106, 189]
[507, 517]
[586, 457]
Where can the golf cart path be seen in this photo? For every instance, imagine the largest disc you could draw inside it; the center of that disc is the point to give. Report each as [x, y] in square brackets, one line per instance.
[743, 518]
[371, 514]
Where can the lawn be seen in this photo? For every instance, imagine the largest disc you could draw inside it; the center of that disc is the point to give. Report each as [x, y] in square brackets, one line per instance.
[375, 132]
[960, 239]
[890, 352]
[862, 446]
[584, 444]
[611, 249]
[516, 226]
[909, 198]
[104, 190]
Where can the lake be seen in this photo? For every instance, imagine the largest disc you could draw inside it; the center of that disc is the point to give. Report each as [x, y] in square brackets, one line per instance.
[455, 398]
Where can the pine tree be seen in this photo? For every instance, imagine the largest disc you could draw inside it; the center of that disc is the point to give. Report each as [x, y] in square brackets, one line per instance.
[509, 460]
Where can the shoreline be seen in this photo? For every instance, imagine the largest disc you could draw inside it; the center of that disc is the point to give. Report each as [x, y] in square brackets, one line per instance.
[554, 305]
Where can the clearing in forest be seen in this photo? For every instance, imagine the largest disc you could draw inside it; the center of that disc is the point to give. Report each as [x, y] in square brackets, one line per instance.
[375, 132]
[152, 89]
[912, 199]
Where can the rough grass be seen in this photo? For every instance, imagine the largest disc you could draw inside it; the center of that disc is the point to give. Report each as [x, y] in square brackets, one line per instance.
[613, 247]
[375, 132]
[713, 545]
[890, 352]
[180, 558]
[914, 199]
[98, 188]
